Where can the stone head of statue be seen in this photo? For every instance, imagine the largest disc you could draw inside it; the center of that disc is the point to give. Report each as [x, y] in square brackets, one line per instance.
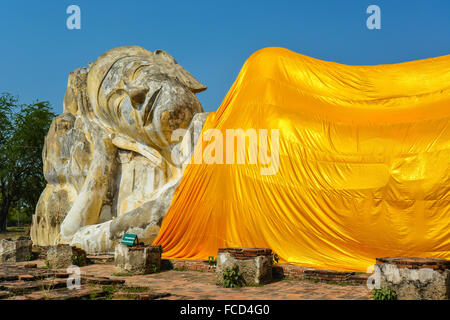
[141, 94]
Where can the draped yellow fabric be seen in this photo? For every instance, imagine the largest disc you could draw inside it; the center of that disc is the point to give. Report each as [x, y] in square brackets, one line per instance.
[364, 158]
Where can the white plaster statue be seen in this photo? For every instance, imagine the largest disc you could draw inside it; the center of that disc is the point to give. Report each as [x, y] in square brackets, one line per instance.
[112, 160]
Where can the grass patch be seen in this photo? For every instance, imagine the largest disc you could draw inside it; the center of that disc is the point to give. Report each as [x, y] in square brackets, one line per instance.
[253, 285]
[122, 274]
[106, 294]
[135, 289]
[316, 280]
[109, 291]
[180, 269]
[338, 283]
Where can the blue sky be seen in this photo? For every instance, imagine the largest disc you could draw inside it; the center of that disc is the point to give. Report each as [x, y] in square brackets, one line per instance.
[211, 39]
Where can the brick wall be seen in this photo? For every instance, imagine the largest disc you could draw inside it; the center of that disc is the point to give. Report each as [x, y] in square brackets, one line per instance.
[195, 265]
[278, 270]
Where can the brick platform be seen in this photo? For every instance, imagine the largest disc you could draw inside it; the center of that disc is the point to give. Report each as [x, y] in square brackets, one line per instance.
[279, 270]
[439, 265]
[194, 285]
[246, 253]
[138, 259]
[164, 285]
[304, 273]
[15, 250]
[187, 264]
[255, 264]
[415, 278]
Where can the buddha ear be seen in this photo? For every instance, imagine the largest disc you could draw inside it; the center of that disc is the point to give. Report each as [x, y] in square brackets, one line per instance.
[178, 71]
[76, 87]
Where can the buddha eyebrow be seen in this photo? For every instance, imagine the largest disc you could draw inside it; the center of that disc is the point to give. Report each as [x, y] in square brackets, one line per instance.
[131, 65]
[134, 69]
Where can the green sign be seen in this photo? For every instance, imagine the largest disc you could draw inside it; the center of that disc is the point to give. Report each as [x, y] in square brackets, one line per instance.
[129, 239]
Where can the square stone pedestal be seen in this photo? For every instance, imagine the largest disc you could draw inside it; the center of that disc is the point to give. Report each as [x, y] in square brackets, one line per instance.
[255, 264]
[415, 278]
[137, 259]
[63, 255]
[15, 250]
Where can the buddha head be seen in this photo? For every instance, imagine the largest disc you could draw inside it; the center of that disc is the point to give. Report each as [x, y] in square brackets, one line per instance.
[143, 95]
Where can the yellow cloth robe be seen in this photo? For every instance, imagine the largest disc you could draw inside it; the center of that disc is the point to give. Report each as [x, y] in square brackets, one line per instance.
[364, 158]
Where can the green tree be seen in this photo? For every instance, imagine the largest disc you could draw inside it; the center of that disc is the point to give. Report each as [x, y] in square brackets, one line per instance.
[22, 133]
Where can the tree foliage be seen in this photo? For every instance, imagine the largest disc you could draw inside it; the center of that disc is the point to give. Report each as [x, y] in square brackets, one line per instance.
[23, 128]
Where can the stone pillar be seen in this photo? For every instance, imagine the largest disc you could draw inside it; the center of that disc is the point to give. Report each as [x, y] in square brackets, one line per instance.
[137, 260]
[255, 264]
[415, 278]
[63, 255]
[15, 250]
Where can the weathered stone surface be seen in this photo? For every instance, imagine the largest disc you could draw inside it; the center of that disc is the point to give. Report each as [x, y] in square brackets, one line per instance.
[15, 250]
[67, 155]
[39, 253]
[29, 285]
[26, 277]
[12, 272]
[137, 260]
[61, 294]
[140, 295]
[416, 278]
[100, 259]
[255, 264]
[20, 283]
[114, 158]
[63, 256]
[60, 256]
[101, 280]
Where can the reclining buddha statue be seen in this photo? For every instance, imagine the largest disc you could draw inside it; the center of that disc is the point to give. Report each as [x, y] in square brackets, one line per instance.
[108, 158]
[361, 158]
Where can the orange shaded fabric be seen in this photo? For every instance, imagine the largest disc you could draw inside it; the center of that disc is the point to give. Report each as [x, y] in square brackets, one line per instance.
[364, 158]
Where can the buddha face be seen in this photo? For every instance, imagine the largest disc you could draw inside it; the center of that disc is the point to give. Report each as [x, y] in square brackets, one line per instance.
[140, 99]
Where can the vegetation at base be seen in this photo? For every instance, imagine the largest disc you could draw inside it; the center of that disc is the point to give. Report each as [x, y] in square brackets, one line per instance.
[154, 268]
[109, 291]
[30, 257]
[23, 128]
[122, 274]
[79, 261]
[232, 278]
[180, 269]
[212, 261]
[276, 258]
[47, 265]
[135, 289]
[384, 294]
[317, 280]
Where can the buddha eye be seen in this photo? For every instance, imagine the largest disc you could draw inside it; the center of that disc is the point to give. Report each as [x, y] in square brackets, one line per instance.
[137, 96]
